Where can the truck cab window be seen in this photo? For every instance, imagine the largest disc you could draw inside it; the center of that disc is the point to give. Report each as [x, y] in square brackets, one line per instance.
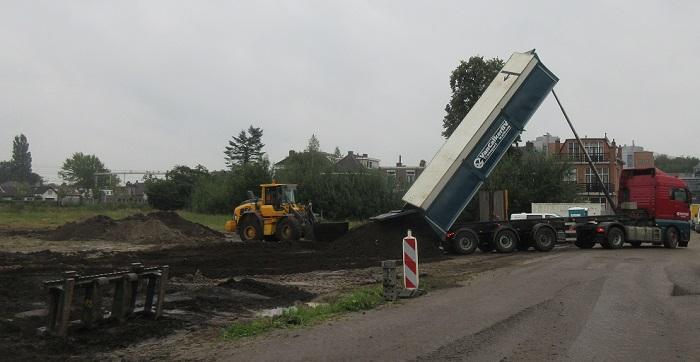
[679, 195]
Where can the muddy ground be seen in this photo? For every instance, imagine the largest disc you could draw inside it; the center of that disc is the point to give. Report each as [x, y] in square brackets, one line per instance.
[213, 281]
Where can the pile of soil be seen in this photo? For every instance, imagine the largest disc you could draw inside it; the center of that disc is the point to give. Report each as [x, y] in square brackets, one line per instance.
[385, 239]
[153, 228]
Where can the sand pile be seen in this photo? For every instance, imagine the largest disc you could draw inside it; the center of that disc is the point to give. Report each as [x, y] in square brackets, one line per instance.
[154, 228]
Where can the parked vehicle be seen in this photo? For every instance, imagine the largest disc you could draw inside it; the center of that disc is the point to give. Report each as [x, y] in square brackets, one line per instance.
[532, 216]
[655, 209]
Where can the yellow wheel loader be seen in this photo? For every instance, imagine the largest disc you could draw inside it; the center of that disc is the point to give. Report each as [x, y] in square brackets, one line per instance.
[276, 215]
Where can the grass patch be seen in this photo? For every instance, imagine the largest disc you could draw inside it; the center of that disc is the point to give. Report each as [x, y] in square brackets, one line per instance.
[43, 217]
[29, 216]
[360, 299]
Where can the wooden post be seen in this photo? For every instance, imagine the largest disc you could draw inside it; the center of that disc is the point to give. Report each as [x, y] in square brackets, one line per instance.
[65, 302]
[150, 294]
[136, 269]
[162, 282]
[121, 301]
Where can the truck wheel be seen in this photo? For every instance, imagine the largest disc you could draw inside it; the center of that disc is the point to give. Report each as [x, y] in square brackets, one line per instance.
[505, 241]
[485, 247]
[615, 239]
[288, 229]
[250, 229]
[465, 242]
[545, 238]
[671, 239]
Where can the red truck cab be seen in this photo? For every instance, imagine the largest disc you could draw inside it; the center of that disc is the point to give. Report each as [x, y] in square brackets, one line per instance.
[664, 198]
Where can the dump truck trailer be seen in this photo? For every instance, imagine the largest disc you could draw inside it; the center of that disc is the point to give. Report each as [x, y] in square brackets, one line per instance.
[467, 158]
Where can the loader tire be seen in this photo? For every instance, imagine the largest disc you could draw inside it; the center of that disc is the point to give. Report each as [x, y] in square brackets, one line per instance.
[288, 229]
[505, 241]
[465, 242]
[544, 239]
[250, 229]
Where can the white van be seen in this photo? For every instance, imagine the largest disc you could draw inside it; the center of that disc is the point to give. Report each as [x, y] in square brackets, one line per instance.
[532, 216]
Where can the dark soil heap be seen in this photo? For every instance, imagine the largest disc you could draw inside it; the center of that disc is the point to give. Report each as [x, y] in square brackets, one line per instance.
[385, 239]
[154, 228]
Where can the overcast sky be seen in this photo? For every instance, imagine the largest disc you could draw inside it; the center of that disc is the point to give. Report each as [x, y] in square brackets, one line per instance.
[151, 84]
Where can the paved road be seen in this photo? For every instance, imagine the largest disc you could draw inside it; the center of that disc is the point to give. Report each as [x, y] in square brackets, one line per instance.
[589, 305]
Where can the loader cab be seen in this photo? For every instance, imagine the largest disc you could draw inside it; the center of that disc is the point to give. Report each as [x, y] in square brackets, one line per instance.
[278, 194]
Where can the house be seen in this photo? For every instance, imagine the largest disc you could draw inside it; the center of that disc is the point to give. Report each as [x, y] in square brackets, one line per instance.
[401, 177]
[355, 162]
[45, 193]
[13, 190]
[280, 165]
[131, 193]
[607, 158]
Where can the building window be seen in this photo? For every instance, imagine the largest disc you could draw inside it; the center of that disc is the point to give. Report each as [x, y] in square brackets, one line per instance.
[573, 148]
[391, 178]
[410, 176]
[604, 172]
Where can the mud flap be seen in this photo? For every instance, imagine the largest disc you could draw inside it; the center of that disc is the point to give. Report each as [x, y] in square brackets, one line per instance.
[327, 231]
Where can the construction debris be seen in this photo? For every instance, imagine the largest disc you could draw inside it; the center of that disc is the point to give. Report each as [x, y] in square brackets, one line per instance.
[125, 286]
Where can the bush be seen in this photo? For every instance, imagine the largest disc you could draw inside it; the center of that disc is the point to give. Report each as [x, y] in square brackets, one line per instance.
[165, 195]
[220, 192]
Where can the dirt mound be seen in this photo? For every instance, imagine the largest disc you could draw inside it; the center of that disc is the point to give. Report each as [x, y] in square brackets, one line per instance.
[154, 228]
[89, 229]
[384, 239]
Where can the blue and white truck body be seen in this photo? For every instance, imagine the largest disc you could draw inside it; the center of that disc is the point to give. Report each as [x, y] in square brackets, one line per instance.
[467, 158]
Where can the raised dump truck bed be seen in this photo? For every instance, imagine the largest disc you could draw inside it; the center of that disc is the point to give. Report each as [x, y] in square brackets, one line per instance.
[467, 158]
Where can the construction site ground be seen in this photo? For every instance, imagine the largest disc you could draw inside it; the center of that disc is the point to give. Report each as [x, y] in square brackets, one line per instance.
[214, 281]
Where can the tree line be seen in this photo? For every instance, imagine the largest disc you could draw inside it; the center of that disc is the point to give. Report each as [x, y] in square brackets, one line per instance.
[337, 195]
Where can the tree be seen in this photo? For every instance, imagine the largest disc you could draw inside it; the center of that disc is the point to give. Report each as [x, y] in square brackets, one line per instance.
[220, 192]
[314, 145]
[5, 171]
[468, 81]
[337, 153]
[683, 164]
[337, 195]
[531, 176]
[21, 159]
[176, 190]
[245, 148]
[80, 170]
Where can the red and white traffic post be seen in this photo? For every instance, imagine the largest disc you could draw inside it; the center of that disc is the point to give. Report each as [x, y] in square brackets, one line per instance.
[410, 261]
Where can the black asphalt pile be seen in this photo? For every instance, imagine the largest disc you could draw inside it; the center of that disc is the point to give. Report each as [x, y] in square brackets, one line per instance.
[384, 239]
[154, 228]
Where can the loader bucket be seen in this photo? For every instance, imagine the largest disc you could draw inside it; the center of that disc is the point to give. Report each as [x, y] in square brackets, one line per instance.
[327, 231]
